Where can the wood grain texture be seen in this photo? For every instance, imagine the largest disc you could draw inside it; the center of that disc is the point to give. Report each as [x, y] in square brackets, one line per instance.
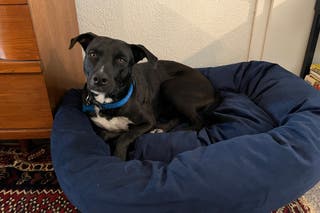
[19, 66]
[24, 102]
[55, 23]
[13, 1]
[17, 40]
[18, 134]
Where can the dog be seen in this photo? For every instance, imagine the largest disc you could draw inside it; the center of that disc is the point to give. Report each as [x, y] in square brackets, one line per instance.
[127, 99]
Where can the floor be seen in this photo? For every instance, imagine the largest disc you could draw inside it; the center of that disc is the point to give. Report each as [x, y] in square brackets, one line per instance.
[313, 198]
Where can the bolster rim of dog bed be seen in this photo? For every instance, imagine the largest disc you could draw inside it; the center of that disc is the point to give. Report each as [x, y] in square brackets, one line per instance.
[248, 170]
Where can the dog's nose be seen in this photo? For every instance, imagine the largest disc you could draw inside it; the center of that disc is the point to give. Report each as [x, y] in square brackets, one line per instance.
[99, 80]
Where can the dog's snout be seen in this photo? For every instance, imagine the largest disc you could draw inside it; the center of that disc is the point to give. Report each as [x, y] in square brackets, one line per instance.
[99, 79]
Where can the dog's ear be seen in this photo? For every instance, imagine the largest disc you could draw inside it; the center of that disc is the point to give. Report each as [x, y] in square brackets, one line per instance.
[140, 52]
[84, 39]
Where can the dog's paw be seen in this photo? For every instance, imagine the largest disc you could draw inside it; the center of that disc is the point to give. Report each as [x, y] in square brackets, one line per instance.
[157, 131]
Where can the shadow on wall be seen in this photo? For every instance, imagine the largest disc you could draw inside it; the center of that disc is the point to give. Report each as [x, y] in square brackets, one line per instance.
[207, 33]
[283, 41]
[231, 47]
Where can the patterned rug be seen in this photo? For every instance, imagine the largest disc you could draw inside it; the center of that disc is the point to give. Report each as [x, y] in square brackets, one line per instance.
[298, 206]
[28, 184]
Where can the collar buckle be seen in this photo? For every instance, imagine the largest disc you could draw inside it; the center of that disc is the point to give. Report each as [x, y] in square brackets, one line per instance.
[87, 107]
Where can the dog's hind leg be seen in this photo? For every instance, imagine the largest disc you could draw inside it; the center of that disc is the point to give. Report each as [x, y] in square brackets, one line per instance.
[169, 125]
[196, 122]
[187, 99]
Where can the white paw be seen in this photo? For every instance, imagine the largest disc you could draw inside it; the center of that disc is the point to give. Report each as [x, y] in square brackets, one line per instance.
[157, 131]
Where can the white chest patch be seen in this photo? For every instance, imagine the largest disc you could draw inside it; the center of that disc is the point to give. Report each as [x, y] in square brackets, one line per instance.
[115, 124]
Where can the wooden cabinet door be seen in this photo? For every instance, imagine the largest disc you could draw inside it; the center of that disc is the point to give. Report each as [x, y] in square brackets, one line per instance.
[17, 39]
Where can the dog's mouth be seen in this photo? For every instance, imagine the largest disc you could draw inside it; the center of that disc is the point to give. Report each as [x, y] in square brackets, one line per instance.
[108, 94]
[101, 97]
[96, 87]
[107, 89]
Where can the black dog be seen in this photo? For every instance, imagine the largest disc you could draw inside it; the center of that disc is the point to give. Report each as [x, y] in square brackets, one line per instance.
[127, 99]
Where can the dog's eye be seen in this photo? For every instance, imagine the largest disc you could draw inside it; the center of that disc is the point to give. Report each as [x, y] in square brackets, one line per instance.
[121, 60]
[92, 54]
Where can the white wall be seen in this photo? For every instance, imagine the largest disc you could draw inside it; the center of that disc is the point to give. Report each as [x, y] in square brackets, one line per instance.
[288, 32]
[206, 32]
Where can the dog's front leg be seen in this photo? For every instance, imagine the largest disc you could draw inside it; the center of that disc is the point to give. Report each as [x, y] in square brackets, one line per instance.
[108, 135]
[124, 140]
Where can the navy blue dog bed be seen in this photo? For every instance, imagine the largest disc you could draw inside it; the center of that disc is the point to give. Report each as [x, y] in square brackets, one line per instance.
[264, 156]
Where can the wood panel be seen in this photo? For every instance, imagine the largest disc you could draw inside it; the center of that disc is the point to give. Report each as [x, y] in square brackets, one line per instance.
[19, 66]
[13, 1]
[17, 40]
[24, 102]
[18, 134]
[62, 67]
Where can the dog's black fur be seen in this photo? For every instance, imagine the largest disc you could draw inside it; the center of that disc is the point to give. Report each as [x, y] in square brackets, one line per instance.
[163, 89]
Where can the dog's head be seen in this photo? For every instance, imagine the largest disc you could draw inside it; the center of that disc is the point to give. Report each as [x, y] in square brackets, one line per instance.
[108, 62]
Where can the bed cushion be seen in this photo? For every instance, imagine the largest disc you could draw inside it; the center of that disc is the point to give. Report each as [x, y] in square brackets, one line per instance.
[266, 154]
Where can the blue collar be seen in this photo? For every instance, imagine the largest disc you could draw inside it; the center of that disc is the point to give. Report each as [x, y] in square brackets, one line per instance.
[120, 103]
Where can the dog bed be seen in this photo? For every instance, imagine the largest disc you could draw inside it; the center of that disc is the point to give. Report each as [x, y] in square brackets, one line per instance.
[266, 154]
